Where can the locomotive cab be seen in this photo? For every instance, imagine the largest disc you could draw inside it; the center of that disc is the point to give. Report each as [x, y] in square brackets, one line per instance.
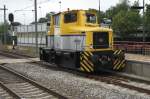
[77, 41]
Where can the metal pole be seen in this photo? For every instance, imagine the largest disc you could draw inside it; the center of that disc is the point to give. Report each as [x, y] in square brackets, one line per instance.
[36, 37]
[143, 20]
[5, 25]
[99, 12]
[4, 34]
[60, 6]
[12, 29]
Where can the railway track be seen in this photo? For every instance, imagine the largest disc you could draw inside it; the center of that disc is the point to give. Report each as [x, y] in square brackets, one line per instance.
[16, 86]
[109, 77]
[122, 82]
[13, 55]
[6, 93]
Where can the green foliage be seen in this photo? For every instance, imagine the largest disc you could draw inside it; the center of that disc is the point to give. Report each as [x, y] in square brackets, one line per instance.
[1, 28]
[48, 15]
[125, 23]
[4, 30]
[111, 12]
[42, 20]
[100, 14]
[147, 18]
[16, 23]
[47, 18]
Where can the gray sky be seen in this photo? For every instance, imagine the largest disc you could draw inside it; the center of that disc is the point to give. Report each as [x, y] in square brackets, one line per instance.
[45, 6]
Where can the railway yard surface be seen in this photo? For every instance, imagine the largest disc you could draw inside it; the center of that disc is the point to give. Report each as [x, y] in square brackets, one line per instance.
[74, 86]
[74, 50]
[16, 86]
[138, 58]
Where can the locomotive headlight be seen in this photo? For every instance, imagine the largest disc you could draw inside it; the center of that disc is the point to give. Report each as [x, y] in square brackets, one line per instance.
[101, 40]
[91, 46]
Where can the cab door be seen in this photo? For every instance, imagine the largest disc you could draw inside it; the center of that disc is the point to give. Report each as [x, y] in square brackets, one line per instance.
[57, 32]
[57, 24]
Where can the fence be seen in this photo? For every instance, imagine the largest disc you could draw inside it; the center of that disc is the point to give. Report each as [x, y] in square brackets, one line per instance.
[133, 47]
[26, 35]
[9, 39]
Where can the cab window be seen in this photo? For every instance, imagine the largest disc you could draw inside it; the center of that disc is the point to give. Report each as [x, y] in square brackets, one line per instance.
[90, 18]
[57, 20]
[70, 17]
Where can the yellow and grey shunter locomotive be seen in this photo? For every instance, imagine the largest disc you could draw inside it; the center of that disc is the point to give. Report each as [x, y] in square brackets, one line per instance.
[77, 41]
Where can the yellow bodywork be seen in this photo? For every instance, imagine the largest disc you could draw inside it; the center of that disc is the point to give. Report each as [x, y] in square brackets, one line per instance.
[80, 27]
[78, 31]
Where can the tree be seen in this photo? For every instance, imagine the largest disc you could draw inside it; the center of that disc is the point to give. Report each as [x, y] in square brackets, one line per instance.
[126, 23]
[100, 15]
[16, 23]
[112, 11]
[42, 20]
[2, 27]
[3, 32]
[48, 15]
[147, 19]
[45, 19]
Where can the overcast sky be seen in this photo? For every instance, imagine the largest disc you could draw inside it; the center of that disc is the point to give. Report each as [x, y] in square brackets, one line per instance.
[45, 6]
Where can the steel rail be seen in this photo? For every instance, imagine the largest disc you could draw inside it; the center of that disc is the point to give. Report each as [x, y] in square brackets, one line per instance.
[12, 93]
[116, 80]
[33, 82]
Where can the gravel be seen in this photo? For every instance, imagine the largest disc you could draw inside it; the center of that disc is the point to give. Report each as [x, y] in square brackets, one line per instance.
[73, 86]
[3, 57]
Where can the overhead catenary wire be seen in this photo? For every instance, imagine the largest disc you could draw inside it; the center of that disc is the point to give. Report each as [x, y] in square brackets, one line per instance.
[30, 6]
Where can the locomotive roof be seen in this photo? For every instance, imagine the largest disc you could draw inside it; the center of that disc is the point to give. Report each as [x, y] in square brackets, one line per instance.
[92, 11]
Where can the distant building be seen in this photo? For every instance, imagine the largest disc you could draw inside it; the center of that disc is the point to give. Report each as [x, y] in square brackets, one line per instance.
[26, 34]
